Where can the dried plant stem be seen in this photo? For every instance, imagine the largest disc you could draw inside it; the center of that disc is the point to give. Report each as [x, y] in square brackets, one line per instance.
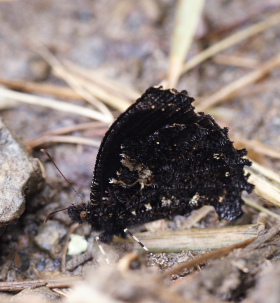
[105, 82]
[54, 104]
[85, 88]
[230, 90]
[77, 127]
[209, 256]
[107, 97]
[264, 188]
[197, 216]
[196, 238]
[52, 283]
[47, 137]
[232, 40]
[61, 292]
[265, 171]
[188, 14]
[42, 88]
[61, 139]
[259, 87]
[236, 61]
[259, 147]
[71, 80]
[261, 208]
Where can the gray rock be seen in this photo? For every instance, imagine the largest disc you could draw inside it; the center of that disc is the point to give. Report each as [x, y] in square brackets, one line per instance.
[20, 175]
[50, 234]
[40, 294]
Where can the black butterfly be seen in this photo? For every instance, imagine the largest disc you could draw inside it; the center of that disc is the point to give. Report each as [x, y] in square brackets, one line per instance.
[159, 159]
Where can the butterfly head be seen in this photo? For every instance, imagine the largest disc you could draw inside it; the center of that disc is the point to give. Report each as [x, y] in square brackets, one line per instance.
[78, 213]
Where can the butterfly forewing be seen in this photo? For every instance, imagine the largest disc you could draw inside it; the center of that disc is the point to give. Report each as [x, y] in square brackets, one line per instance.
[155, 109]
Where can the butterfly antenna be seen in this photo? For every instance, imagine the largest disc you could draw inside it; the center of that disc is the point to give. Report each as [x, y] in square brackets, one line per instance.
[54, 212]
[48, 155]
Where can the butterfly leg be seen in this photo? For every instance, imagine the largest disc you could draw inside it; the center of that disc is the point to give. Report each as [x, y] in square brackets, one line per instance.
[129, 233]
[97, 239]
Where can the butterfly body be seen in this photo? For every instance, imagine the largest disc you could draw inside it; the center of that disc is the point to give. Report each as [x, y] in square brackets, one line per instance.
[160, 159]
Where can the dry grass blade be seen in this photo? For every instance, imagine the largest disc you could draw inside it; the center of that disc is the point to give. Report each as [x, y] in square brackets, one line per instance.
[264, 188]
[68, 77]
[265, 171]
[61, 139]
[196, 239]
[110, 99]
[77, 127]
[197, 216]
[233, 88]
[261, 208]
[6, 103]
[236, 61]
[42, 88]
[258, 147]
[61, 292]
[188, 14]
[260, 87]
[232, 40]
[99, 79]
[49, 136]
[54, 104]
[209, 256]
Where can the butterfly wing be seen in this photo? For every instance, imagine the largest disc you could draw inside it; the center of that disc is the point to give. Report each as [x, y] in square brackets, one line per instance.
[160, 159]
[155, 109]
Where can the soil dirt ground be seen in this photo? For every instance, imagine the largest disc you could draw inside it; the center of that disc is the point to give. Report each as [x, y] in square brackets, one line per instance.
[128, 42]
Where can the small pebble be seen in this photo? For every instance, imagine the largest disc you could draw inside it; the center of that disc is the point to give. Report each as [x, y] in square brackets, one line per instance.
[77, 245]
[50, 234]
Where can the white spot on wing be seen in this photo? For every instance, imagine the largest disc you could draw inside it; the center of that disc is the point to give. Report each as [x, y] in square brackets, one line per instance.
[217, 156]
[194, 200]
[148, 206]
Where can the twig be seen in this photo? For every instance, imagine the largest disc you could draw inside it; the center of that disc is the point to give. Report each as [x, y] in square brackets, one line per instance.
[52, 283]
[79, 260]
